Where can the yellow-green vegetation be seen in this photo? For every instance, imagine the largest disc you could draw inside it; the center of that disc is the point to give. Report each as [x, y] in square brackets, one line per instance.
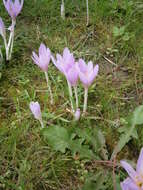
[69, 155]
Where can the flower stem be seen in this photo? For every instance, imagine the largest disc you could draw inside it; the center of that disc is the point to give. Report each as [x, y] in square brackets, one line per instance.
[49, 87]
[63, 10]
[71, 95]
[87, 10]
[85, 100]
[1, 56]
[9, 46]
[76, 95]
[42, 124]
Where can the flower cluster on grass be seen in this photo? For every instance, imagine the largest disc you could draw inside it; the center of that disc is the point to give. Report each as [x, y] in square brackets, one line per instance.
[72, 70]
[13, 8]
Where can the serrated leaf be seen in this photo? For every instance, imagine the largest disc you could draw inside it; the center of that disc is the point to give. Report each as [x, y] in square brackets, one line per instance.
[87, 135]
[84, 151]
[135, 119]
[57, 137]
[126, 129]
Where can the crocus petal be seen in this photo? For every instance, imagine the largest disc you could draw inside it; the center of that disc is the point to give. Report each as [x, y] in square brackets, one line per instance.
[2, 28]
[90, 66]
[42, 49]
[131, 172]
[82, 65]
[92, 75]
[18, 6]
[139, 167]
[66, 53]
[128, 184]
[35, 58]
[57, 63]
[13, 7]
[72, 76]
[68, 57]
[83, 79]
[59, 57]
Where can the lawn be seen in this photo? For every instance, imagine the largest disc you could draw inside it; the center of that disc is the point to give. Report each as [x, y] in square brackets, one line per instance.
[69, 154]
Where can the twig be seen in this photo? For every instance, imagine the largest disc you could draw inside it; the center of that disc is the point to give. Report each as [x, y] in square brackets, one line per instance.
[87, 12]
[110, 61]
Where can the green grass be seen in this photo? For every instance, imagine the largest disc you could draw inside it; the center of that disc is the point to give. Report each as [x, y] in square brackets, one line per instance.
[27, 161]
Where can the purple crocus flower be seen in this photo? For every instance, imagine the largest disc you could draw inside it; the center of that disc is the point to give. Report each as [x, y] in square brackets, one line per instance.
[135, 179]
[66, 64]
[87, 72]
[43, 59]
[13, 7]
[36, 110]
[72, 75]
[2, 28]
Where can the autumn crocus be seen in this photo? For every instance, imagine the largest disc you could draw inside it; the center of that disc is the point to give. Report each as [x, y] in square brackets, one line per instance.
[36, 110]
[66, 64]
[87, 74]
[135, 179]
[42, 60]
[13, 8]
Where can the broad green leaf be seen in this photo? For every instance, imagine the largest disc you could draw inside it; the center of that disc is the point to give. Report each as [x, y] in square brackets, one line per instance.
[137, 118]
[57, 137]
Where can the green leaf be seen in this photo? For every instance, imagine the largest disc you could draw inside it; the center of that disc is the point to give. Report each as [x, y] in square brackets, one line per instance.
[57, 137]
[137, 118]
[118, 31]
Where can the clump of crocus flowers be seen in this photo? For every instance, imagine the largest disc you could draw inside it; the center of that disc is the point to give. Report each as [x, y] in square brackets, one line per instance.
[72, 70]
[13, 8]
[135, 179]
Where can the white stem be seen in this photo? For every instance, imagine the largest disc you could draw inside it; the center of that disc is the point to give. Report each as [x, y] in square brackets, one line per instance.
[87, 11]
[71, 95]
[10, 41]
[1, 56]
[85, 100]
[42, 124]
[11, 47]
[6, 48]
[63, 10]
[76, 95]
[49, 87]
